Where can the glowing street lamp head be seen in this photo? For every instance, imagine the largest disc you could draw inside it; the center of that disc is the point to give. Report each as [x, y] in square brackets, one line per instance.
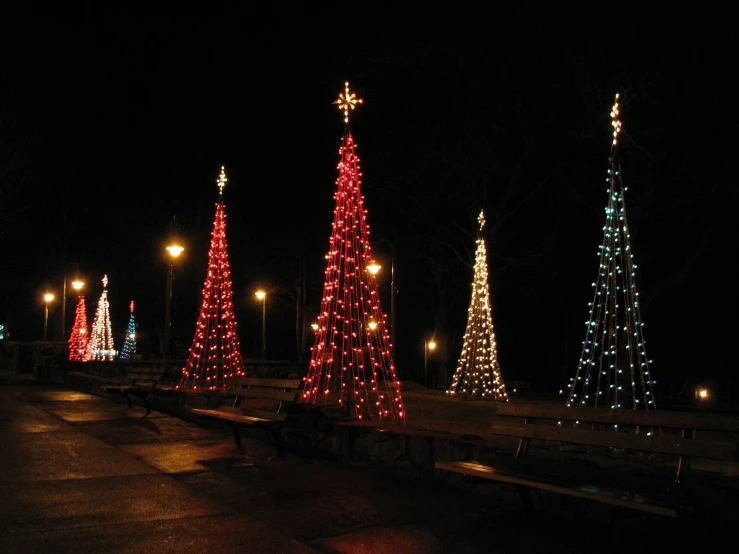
[77, 285]
[374, 267]
[372, 325]
[260, 294]
[48, 297]
[314, 326]
[175, 250]
[431, 345]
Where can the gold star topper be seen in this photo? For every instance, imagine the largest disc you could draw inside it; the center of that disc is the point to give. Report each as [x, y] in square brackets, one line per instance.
[615, 121]
[481, 219]
[222, 180]
[347, 101]
[105, 281]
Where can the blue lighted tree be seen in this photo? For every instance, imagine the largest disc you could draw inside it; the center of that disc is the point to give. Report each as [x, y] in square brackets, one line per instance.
[129, 345]
[613, 371]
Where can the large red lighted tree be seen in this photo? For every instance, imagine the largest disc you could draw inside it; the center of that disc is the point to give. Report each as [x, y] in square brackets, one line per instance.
[78, 338]
[215, 354]
[352, 360]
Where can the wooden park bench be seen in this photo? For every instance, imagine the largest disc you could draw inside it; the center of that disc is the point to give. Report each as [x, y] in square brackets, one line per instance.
[254, 402]
[140, 381]
[674, 437]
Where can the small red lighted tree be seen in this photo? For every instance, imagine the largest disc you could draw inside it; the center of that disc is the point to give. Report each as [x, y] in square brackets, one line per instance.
[78, 338]
[215, 354]
[352, 360]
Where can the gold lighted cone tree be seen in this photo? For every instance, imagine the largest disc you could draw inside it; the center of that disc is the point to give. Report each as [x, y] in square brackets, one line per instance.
[478, 375]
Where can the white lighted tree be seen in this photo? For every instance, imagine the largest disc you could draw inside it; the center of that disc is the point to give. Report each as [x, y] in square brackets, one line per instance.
[478, 375]
[100, 345]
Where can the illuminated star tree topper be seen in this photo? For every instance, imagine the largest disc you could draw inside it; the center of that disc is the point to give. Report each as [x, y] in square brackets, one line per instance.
[352, 359]
[347, 101]
[613, 370]
[478, 375]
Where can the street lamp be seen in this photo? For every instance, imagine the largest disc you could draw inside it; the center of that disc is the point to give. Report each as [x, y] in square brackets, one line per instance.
[427, 346]
[77, 285]
[174, 251]
[261, 295]
[48, 297]
[374, 268]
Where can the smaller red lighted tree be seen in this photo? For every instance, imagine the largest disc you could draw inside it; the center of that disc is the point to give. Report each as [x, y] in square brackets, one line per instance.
[78, 339]
[215, 354]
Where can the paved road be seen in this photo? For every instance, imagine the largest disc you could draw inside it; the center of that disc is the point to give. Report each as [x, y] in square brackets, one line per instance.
[82, 473]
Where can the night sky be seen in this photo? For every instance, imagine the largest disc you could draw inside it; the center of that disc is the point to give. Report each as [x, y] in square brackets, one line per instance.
[116, 123]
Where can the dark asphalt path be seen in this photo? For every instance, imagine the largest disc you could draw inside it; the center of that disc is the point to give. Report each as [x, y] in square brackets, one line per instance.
[82, 473]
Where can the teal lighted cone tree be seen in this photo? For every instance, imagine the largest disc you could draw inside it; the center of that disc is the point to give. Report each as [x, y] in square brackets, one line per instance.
[352, 360]
[215, 354]
[613, 371]
[80, 334]
[100, 346]
[478, 375]
[129, 345]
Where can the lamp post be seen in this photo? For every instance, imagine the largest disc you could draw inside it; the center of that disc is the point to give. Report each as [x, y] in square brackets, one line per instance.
[427, 346]
[48, 297]
[261, 295]
[374, 268]
[77, 285]
[174, 251]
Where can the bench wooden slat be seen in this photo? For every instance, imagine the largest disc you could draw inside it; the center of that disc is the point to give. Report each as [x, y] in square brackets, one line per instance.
[258, 394]
[231, 416]
[142, 381]
[263, 382]
[680, 446]
[621, 416]
[598, 493]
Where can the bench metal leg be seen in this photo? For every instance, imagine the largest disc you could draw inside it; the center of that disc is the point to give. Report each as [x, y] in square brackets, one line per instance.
[525, 496]
[128, 399]
[147, 406]
[237, 435]
[143, 398]
[683, 463]
[277, 437]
